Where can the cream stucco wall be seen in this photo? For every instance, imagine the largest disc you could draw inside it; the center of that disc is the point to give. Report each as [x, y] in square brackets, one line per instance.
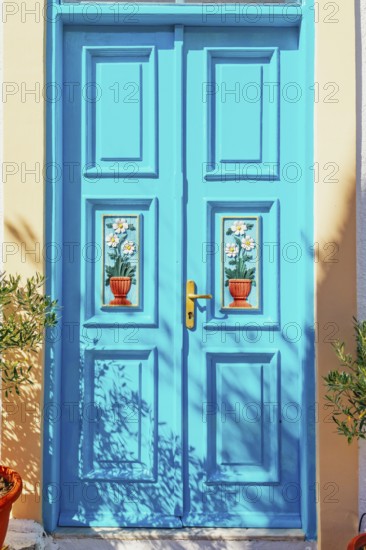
[335, 134]
[24, 137]
[1, 142]
[335, 222]
[361, 214]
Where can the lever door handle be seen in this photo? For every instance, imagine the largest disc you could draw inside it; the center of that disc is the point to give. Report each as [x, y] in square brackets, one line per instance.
[191, 296]
[200, 296]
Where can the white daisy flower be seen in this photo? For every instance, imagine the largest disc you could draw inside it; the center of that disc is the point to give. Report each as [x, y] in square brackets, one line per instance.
[247, 243]
[239, 227]
[112, 240]
[231, 250]
[129, 248]
[120, 225]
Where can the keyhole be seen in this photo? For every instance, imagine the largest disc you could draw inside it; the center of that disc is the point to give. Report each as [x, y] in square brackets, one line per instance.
[190, 315]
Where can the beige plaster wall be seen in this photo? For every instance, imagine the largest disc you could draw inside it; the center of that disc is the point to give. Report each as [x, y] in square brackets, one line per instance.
[361, 215]
[24, 47]
[24, 57]
[335, 222]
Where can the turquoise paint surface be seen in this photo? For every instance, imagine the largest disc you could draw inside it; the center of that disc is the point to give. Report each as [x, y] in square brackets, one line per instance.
[170, 427]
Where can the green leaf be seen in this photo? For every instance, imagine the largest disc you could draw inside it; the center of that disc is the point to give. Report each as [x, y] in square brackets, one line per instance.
[26, 312]
[230, 273]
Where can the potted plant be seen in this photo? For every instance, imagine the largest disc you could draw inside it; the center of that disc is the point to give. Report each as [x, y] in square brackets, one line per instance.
[121, 274]
[25, 313]
[346, 389]
[239, 278]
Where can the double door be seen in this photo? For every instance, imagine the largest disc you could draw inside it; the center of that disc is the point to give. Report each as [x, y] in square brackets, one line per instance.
[185, 177]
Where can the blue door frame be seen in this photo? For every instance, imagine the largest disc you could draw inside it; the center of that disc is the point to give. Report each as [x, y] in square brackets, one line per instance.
[60, 15]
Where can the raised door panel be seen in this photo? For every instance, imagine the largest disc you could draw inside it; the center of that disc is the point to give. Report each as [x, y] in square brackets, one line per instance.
[242, 97]
[120, 111]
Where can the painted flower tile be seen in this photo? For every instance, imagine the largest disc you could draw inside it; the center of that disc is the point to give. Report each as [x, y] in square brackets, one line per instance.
[240, 263]
[121, 260]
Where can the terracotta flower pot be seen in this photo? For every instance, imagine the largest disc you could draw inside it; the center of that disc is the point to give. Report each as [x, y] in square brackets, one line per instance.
[120, 286]
[357, 542]
[240, 290]
[6, 502]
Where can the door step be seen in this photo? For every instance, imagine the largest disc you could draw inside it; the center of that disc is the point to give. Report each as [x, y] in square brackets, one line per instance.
[190, 534]
[29, 535]
[181, 539]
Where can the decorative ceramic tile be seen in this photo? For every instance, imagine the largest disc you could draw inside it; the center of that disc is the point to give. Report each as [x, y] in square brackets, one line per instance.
[121, 260]
[240, 262]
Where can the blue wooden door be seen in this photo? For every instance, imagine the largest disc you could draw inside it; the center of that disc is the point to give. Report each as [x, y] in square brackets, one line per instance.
[246, 233]
[120, 448]
[185, 162]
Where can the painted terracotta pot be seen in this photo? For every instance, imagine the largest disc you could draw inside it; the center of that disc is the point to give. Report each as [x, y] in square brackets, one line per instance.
[357, 543]
[6, 502]
[120, 286]
[240, 290]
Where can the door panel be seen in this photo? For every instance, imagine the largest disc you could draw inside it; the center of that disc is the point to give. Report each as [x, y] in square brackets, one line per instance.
[251, 147]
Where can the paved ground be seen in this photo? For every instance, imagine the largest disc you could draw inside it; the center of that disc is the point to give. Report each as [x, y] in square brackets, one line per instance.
[92, 544]
[28, 535]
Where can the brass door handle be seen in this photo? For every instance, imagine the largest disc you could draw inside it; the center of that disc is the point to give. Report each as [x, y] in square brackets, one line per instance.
[190, 305]
[202, 296]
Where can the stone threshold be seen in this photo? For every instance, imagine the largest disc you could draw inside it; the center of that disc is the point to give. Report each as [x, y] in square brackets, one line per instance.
[191, 534]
